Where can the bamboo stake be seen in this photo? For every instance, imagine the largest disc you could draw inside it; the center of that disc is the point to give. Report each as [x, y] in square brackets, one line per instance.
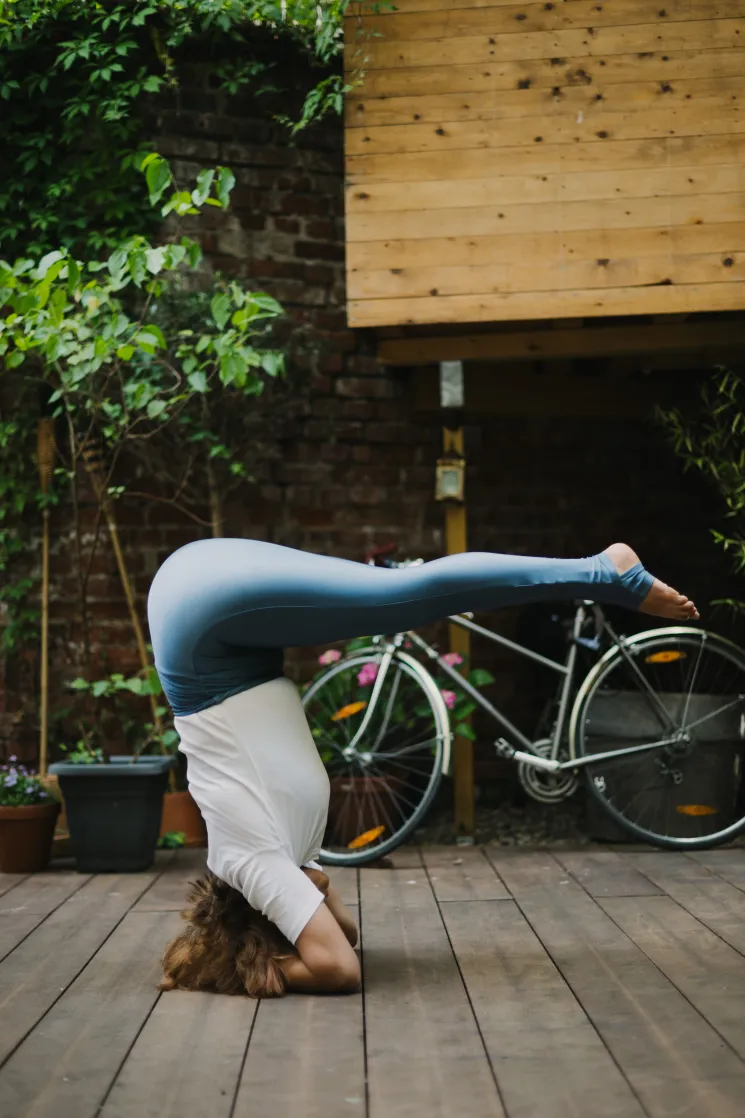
[94, 466]
[45, 454]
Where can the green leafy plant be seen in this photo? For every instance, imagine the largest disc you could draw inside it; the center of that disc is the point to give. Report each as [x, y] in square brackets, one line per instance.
[712, 442]
[79, 82]
[19, 787]
[146, 683]
[172, 840]
[87, 335]
[83, 752]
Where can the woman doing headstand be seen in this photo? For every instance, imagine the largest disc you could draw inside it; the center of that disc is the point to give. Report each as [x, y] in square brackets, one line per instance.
[221, 611]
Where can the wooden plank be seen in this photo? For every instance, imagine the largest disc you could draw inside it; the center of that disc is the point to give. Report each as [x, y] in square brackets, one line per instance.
[424, 1052]
[462, 874]
[344, 880]
[506, 189]
[724, 117]
[505, 220]
[707, 971]
[676, 299]
[606, 874]
[659, 65]
[33, 977]
[548, 159]
[673, 1060]
[522, 19]
[729, 864]
[484, 49]
[170, 890]
[712, 901]
[537, 344]
[405, 858]
[609, 244]
[547, 1056]
[548, 344]
[26, 906]
[597, 273]
[187, 1059]
[66, 1065]
[325, 1078]
[9, 881]
[363, 111]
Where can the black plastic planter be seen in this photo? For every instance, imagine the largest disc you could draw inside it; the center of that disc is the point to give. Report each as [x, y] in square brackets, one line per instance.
[114, 811]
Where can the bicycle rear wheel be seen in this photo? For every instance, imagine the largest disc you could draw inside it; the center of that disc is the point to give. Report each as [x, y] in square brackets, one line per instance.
[381, 787]
[683, 691]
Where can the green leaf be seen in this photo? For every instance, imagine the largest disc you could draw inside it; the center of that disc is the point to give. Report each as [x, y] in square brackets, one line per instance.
[156, 332]
[158, 177]
[99, 688]
[480, 677]
[47, 261]
[155, 259]
[14, 359]
[233, 370]
[155, 409]
[273, 363]
[125, 352]
[198, 381]
[220, 309]
[225, 184]
[203, 187]
[463, 730]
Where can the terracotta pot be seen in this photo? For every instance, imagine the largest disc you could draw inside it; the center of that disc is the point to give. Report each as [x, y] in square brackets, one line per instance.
[355, 805]
[26, 837]
[180, 813]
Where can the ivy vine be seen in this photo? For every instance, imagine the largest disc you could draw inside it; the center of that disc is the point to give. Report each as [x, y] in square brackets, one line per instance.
[79, 78]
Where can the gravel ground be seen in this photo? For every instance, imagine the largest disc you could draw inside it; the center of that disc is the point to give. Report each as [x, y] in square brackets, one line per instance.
[509, 824]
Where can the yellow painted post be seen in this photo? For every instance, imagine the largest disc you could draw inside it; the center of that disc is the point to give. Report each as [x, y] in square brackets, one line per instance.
[456, 541]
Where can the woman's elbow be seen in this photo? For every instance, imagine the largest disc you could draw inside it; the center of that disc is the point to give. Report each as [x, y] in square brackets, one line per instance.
[341, 976]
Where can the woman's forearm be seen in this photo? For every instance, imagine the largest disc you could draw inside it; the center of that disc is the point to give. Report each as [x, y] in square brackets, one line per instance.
[343, 916]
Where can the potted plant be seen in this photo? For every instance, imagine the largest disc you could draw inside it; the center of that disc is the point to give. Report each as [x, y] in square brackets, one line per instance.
[27, 817]
[114, 806]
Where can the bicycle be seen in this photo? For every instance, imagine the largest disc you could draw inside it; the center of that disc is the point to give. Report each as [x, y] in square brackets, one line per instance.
[656, 729]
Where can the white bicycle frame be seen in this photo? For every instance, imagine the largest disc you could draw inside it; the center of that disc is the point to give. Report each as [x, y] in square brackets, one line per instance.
[528, 754]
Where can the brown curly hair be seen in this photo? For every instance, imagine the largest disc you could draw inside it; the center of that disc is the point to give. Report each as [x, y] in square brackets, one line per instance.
[227, 946]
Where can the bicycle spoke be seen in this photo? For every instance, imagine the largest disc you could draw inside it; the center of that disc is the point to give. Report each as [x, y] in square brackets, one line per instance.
[685, 792]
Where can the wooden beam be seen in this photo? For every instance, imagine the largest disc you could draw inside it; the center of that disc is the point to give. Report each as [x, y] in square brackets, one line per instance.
[456, 541]
[538, 345]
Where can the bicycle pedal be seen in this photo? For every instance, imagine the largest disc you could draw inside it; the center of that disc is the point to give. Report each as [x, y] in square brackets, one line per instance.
[504, 749]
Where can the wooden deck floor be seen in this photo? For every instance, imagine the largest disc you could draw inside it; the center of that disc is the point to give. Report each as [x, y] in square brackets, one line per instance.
[592, 984]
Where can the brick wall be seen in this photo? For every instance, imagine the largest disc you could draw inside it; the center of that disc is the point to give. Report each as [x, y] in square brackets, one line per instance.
[342, 456]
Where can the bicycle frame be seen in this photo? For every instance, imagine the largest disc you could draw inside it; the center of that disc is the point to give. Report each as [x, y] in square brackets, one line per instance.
[527, 754]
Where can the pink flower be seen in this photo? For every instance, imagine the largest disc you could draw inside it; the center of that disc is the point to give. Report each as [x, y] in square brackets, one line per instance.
[449, 697]
[454, 659]
[367, 675]
[329, 657]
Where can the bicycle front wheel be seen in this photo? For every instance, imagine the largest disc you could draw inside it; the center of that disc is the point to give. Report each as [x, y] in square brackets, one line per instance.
[382, 784]
[681, 692]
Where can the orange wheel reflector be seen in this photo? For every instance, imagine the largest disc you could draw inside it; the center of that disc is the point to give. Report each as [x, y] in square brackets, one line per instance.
[697, 809]
[348, 711]
[667, 657]
[365, 839]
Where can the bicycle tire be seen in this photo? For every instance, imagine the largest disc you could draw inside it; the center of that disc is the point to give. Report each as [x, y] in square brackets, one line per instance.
[652, 646]
[442, 738]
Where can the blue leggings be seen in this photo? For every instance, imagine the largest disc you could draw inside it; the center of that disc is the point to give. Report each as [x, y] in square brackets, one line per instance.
[221, 611]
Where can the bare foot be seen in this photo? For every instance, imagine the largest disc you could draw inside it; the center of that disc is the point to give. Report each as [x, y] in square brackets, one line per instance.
[662, 600]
